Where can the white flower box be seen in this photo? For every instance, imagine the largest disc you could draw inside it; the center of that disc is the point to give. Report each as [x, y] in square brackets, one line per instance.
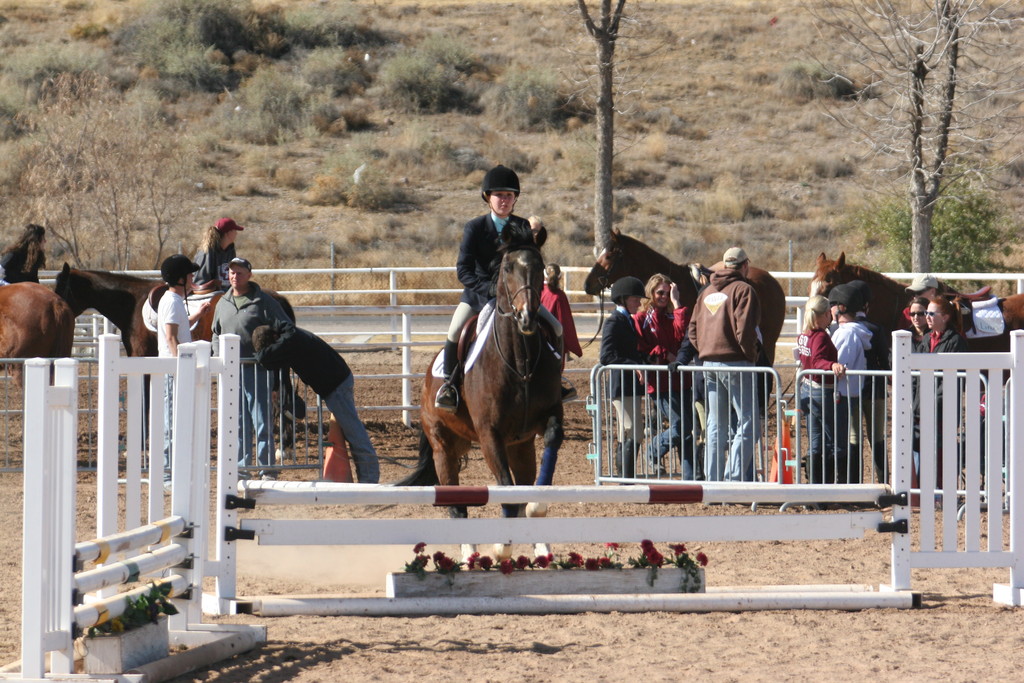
[493, 583]
[114, 654]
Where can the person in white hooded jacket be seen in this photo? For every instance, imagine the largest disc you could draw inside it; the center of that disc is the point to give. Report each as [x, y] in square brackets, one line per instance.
[851, 339]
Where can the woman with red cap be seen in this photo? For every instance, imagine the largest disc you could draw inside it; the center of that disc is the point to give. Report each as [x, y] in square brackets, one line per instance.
[215, 253]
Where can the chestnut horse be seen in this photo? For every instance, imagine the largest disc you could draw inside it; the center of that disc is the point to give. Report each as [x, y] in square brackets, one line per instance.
[889, 298]
[34, 322]
[626, 255]
[119, 298]
[510, 394]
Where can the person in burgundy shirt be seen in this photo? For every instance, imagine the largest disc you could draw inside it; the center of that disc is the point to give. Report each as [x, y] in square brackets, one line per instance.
[815, 351]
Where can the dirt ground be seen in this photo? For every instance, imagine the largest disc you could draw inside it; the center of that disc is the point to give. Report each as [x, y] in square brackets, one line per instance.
[958, 635]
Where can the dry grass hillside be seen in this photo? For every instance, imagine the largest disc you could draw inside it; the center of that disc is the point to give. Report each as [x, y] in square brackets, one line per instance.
[127, 140]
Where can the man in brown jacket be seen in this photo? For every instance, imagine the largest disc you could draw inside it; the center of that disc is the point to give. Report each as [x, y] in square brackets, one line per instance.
[724, 331]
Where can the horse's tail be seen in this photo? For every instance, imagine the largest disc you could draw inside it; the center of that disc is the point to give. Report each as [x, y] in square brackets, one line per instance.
[424, 474]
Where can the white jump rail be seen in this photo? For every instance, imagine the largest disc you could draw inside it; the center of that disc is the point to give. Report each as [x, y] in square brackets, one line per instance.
[61, 599]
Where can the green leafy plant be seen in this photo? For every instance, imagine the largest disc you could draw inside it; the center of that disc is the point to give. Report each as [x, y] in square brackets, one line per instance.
[141, 610]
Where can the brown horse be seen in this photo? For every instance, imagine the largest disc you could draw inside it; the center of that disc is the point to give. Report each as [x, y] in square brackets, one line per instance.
[510, 394]
[889, 298]
[120, 298]
[34, 322]
[626, 255]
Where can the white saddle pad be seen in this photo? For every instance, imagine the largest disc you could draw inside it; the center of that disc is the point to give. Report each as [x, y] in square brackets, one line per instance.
[484, 322]
[988, 319]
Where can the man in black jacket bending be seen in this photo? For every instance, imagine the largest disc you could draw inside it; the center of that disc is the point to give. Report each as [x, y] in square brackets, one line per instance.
[281, 344]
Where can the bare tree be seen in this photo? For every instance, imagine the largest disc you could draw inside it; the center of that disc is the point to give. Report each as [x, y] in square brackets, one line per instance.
[606, 77]
[936, 93]
[107, 175]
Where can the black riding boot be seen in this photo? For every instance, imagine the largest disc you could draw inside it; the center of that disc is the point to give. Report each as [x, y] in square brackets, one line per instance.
[625, 464]
[448, 395]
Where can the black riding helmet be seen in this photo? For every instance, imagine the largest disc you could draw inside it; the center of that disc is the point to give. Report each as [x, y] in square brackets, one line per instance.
[499, 179]
[174, 269]
[627, 286]
[846, 296]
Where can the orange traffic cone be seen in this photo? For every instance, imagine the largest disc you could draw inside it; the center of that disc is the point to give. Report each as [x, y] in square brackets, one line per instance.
[784, 455]
[336, 461]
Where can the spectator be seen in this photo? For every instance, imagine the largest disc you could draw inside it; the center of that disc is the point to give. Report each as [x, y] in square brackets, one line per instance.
[215, 253]
[816, 393]
[872, 403]
[661, 322]
[22, 260]
[477, 269]
[240, 311]
[923, 286]
[620, 345]
[852, 340]
[174, 326]
[918, 313]
[554, 299]
[945, 336]
[281, 345]
[723, 331]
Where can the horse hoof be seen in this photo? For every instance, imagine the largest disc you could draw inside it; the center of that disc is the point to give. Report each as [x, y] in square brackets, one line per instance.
[541, 550]
[502, 552]
[467, 551]
[536, 509]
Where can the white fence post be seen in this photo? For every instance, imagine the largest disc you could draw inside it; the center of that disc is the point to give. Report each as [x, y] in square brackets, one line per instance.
[901, 455]
[51, 437]
[1013, 593]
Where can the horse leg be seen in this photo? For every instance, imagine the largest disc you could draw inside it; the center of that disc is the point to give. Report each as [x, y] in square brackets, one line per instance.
[448, 450]
[553, 436]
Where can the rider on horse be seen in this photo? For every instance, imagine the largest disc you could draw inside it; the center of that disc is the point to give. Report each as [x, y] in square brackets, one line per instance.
[477, 270]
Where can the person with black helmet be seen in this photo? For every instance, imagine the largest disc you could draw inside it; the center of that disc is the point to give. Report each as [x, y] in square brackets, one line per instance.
[477, 270]
[724, 331]
[620, 345]
[174, 327]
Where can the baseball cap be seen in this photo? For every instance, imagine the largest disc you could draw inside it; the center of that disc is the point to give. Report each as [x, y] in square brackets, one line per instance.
[923, 282]
[734, 257]
[239, 261]
[226, 225]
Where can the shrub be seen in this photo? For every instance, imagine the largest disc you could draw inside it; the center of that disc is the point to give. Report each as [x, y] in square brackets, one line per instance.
[271, 105]
[970, 230]
[329, 26]
[804, 81]
[412, 82]
[33, 67]
[528, 99]
[336, 71]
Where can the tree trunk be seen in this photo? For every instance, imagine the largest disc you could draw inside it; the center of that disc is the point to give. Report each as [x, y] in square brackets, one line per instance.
[603, 199]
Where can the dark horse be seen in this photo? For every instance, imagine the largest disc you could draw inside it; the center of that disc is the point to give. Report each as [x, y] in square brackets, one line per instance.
[510, 394]
[889, 298]
[119, 298]
[34, 322]
[626, 255]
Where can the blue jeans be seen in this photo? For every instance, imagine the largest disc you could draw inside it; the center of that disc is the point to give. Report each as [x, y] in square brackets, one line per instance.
[819, 407]
[732, 399]
[254, 412]
[676, 405]
[342, 404]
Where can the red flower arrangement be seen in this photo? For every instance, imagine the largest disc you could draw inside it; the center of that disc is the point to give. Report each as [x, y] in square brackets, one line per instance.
[650, 559]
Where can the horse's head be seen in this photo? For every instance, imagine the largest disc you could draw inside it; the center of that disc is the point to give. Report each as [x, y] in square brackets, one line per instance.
[520, 278]
[65, 289]
[603, 274]
[827, 274]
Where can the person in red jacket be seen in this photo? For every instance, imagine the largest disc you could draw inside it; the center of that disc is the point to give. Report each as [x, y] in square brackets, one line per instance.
[662, 321]
[815, 351]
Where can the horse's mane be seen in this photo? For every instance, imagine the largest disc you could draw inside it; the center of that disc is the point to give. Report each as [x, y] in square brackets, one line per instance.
[872, 277]
[106, 278]
[516, 235]
[663, 262]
